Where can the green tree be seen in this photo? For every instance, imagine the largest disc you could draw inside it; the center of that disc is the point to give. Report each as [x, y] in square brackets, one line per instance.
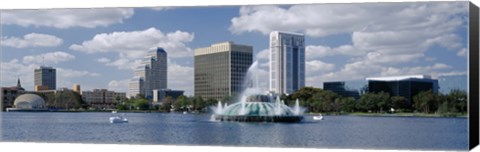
[425, 101]
[367, 102]
[166, 104]
[347, 104]
[400, 103]
[141, 104]
[459, 98]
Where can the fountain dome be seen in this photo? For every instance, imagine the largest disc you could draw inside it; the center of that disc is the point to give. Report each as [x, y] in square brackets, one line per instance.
[258, 108]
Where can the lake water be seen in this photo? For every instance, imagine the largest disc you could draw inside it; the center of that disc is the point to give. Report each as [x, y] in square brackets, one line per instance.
[197, 129]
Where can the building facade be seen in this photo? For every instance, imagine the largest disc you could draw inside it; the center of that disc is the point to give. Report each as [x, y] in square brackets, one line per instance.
[152, 74]
[103, 98]
[220, 69]
[287, 62]
[46, 77]
[405, 86]
[160, 94]
[342, 89]
[9, 94]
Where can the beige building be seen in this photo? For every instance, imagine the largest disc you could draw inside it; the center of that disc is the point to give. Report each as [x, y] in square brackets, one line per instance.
[220, 69]
[103, 98]
[76, 88]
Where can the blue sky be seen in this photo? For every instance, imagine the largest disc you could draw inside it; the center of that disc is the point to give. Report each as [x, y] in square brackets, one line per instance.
[98, 48]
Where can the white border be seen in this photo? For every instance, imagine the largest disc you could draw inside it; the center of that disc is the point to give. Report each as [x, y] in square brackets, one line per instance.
[42, 4]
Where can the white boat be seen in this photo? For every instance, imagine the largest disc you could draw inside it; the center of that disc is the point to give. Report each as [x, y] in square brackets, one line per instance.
[185, 112]
[118, 119]
[319, 117]
[114, 111]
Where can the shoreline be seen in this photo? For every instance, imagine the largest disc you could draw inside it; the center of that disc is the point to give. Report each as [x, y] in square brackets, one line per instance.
[406, 114]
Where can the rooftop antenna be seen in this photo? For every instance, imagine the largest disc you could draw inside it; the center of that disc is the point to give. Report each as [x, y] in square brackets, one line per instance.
[43, 60]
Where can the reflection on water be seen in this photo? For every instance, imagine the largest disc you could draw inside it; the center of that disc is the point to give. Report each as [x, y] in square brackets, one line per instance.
[191, 129]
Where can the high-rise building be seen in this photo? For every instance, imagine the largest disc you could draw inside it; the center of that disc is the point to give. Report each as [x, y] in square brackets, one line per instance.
[287, 62]
[405, 86]
[46, 77]
[220, 69]
[135, 86]
[152, 74]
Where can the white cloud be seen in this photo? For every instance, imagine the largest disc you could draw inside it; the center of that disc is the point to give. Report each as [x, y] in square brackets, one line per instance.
[317, 66]
[66, 18]
[462, 52]
[328, 19]
[32, 40]
[69, 73]
[119, 85]
[48, 58]
[180, 77]
[103, 60]
[263, 54]
[14, 68]
[131, 46]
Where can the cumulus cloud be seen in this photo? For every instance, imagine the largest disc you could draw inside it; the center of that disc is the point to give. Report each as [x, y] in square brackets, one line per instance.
[66, 18]
[14, 68]
[131, 46]
[386, 38]
[462, 52]
[118, 85]
[317, 66]
[328, 19]
[180, 77]
[32, 40]
[48, 58]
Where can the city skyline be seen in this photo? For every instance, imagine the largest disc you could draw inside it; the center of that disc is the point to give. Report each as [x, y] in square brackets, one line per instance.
[99, 48]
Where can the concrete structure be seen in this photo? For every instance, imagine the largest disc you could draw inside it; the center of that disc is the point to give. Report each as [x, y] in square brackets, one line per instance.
[159, 95]
[46, 77]
[405, 86]
[220, 69]
[342, 89]
[152, 74]
[9, 94]
[287, 62]
[103, 98]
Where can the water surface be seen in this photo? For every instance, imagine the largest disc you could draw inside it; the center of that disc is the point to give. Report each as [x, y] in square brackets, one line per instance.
[364, 132]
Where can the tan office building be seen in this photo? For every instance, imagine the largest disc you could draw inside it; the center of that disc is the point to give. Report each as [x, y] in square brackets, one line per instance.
[220, 69]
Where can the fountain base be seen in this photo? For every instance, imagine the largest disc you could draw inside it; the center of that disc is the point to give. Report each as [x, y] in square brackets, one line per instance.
[259, 118]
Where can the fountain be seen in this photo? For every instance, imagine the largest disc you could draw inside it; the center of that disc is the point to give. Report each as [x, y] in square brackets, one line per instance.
[253, 106]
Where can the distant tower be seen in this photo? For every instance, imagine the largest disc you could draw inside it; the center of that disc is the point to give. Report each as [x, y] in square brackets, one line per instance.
[46, 77]
[18, 83]
[76, 88]
[287, 62]
[151, 75]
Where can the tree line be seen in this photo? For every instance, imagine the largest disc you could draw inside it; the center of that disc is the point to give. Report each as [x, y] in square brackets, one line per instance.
[319, 100]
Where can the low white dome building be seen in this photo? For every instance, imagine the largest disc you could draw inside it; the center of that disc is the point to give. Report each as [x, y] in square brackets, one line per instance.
[29, 102]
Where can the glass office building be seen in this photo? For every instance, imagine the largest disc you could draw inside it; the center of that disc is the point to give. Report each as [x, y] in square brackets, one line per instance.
[287, 62]
[405, 86]
[151, 75]
[46, 77]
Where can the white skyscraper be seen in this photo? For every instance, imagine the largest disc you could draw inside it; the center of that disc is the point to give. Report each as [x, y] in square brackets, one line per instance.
[151, 75]
[287, 62]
